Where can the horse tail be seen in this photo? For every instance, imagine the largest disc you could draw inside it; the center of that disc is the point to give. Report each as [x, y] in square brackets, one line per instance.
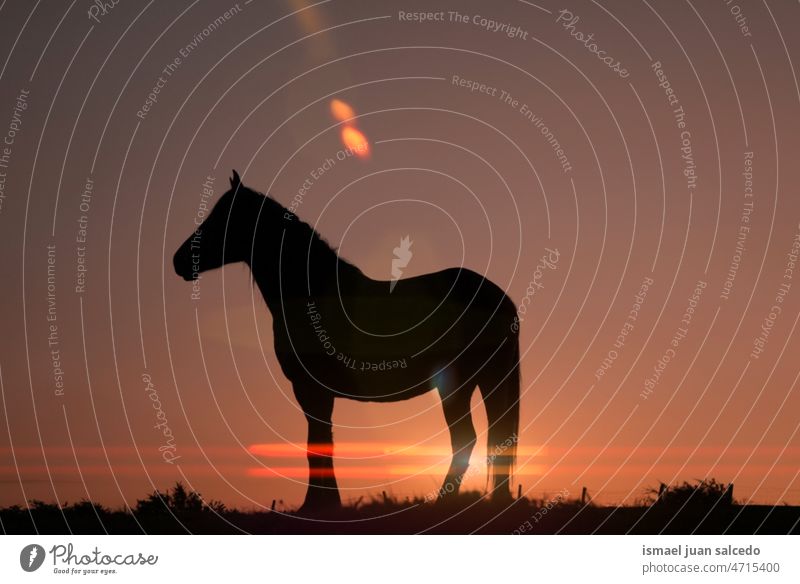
[500, 390]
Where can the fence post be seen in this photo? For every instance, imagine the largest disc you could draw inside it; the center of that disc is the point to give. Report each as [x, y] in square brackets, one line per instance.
[727, 496]
[583, 496]
[662, 490]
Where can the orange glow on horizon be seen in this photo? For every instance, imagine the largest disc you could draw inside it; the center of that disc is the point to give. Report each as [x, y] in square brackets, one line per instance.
[369, 450]
[375, 472]
[392, 460]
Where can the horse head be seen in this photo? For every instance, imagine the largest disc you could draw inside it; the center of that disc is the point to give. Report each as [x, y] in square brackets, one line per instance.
[225, 236]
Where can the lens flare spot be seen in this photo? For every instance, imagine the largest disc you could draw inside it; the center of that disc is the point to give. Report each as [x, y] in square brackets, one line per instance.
[341, 111]
[355, 141]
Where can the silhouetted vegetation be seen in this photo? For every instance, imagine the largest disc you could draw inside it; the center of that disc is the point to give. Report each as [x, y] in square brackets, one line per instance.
[701, 507]
[701, 493]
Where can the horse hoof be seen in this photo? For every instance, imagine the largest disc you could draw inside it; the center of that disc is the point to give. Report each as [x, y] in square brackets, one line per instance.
[501, 497]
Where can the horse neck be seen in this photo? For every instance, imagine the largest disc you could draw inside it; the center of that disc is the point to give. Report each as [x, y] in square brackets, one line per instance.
[300, 272]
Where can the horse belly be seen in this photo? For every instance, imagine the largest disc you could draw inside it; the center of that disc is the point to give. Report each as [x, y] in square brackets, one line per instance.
[386, 387]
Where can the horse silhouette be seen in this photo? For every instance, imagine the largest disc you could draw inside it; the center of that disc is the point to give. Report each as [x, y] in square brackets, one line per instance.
[341, 334]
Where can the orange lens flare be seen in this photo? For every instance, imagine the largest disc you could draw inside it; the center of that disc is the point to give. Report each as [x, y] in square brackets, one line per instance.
[355, 141]
[341, 111]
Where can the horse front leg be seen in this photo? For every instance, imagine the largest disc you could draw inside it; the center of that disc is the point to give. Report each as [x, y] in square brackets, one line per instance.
[323, 492]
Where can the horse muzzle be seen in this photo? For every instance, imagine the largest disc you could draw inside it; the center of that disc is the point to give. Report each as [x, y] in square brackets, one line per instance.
[183, 267]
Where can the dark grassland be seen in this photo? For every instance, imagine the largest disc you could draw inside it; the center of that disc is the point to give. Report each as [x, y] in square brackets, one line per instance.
[701, 508]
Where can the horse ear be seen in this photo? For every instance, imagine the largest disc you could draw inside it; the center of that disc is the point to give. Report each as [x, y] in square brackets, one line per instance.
[235, 180]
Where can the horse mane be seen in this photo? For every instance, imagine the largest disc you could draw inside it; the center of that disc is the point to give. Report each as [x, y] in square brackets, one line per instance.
[302, 244]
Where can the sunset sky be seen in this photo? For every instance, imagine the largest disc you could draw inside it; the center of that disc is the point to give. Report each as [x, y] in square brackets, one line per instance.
[660, 347]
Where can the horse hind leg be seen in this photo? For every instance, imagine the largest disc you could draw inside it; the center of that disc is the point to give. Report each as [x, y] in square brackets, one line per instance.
[499, 383]
[456, 405]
